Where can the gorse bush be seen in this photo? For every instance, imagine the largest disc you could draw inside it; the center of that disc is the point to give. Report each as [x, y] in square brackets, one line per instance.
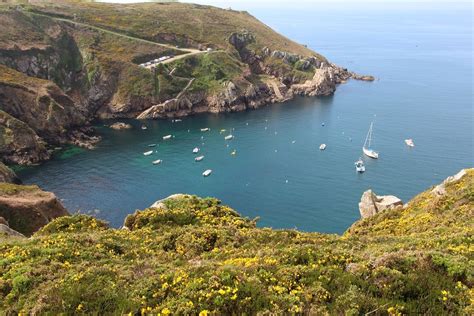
[196, 256]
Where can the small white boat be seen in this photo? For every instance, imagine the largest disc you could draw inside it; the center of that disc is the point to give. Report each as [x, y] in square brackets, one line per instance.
[195, 150]
[223, 130]
[322, 147]
[178, 120]
[359, 164]
[152, 145]
[157, 162]
[229, 137]
[234, 152]
[144, 127]
[368, 151]
[148, 153]
[409, 142]
[199, 158]
[207, 173]
[167, 137]
[207, 129]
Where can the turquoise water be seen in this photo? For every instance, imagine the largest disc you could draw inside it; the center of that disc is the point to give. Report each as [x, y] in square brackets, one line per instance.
[423, 61]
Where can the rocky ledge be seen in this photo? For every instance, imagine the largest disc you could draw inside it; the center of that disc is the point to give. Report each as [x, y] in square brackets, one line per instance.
[28, 208]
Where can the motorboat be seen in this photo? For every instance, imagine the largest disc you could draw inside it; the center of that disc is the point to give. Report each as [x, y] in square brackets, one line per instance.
[199, 158]
[322, 147]
[207, 173]
[148, 153]
[167, 137]
[195, 150]
[157, 162]
[409, 142]
[229, 137]
[359, 165]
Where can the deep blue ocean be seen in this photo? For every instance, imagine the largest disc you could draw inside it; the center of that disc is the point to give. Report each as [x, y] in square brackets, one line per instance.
[421, 56]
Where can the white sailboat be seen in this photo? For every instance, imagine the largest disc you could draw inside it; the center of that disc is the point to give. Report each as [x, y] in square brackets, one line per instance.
[368, 151]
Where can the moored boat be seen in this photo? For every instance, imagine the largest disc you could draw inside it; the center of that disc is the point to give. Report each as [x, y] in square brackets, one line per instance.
[195, 150]
[366, 149]
[234, 152]
[359, 165]
[152, 145]
[409, 142]
[207, 173]
[144, 127]
[148, 153]
[207, 129]
[229, 137]
[322, 147]
[167, 137]
[157, 162]
[199, 158]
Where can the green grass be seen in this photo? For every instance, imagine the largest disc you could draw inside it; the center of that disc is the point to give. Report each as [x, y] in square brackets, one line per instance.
[200, 256]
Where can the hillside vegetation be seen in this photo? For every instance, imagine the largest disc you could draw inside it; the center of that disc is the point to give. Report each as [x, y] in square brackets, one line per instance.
[197, 256]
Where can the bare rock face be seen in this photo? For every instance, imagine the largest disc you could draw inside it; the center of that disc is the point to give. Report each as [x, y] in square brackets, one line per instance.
[371, 204]
[5, 230]
[440, 189]
[7, 175]
[120, 126]
[28, 208]
[160, 203]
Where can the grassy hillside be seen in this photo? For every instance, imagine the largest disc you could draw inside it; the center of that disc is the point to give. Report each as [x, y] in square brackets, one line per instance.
[200, 257]
[190, 23]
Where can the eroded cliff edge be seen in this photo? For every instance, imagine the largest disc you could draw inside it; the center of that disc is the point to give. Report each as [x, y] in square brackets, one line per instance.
[63, 64]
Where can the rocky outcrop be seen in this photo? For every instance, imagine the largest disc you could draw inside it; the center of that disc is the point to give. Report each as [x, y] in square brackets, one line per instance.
[7, 175]
[19, 144]
[28, 208]
[371, 204]
[160, 204]
[440, 189]
[5, 230]
[120, 126]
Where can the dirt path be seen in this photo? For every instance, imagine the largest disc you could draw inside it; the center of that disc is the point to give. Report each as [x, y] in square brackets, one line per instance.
[274, 85]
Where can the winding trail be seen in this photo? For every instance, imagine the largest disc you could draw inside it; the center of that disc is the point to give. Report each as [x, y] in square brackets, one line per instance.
[187, 51]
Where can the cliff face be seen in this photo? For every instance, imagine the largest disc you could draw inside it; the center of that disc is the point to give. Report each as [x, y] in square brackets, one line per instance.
[7, 175]
[188, 255]
[28, 208]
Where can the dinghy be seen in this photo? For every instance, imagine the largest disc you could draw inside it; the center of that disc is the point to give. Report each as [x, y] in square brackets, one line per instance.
[199, 158]
[322, 147]
[148, 153]
[207, 173]
[167, 137]
[368, 151]
[195, 150]
[229, 137]
[359, 165]
[223, 130]
[207, 129]
[234, 152]
[144, 127]
[409, 142]
[157, 162]
[152, 145]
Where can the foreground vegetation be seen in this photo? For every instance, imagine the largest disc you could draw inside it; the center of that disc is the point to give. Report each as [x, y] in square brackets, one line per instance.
[197, 256]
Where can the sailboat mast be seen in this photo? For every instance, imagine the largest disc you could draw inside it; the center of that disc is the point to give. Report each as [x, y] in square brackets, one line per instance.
[370, 133]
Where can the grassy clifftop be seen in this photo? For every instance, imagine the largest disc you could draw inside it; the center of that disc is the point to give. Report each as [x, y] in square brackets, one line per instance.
[180, 23]
[196, 256]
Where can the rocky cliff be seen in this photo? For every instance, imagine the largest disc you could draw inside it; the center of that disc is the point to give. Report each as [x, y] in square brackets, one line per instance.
[66, 63]
[188, 255]
[28, 208]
